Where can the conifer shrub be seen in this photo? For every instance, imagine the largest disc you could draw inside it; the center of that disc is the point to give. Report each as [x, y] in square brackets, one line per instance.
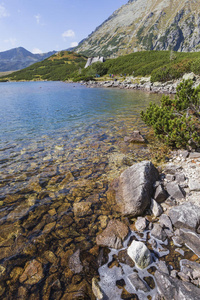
[176, 122]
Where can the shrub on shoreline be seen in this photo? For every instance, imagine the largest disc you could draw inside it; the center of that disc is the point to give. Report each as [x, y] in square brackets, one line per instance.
[177, 121]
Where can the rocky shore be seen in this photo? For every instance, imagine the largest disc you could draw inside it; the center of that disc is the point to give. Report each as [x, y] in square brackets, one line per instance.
[144, 84]
[155, 248]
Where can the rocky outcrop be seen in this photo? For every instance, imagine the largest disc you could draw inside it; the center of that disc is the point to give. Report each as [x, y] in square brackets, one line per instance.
[92, 60]
[146, 25]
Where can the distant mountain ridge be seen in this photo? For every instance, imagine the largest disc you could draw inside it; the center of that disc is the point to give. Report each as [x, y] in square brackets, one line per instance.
[20, 58]
[146, 25]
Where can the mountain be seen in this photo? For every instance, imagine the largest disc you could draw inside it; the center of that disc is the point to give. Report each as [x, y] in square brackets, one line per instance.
[19, 58]
[146, 25]
[60, 66]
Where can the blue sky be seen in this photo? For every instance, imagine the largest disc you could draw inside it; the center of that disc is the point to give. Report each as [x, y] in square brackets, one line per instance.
[45, 25]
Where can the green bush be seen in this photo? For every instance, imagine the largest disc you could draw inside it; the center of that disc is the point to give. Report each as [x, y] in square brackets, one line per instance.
[171, 71]
[177, 121]
[195, 67]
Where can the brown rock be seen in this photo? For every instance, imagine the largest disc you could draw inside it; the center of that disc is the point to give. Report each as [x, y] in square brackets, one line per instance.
[113, 235]
[33, 273]
[135, 137]
[82, 209]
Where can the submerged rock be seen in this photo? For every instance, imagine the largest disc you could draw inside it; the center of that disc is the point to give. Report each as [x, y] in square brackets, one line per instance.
[75, 262]
[33, 273]
[82, 209]
[135, 137]
[140, 254]
[114, 235]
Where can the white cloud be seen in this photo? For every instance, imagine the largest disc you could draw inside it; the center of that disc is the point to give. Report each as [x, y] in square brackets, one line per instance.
[11, 41]
[38, 18]
[3, 11]
[73, 44]
[36, 51]
[68, 34]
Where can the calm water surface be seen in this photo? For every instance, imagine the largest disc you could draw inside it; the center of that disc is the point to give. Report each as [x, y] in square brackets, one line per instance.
[60, 144]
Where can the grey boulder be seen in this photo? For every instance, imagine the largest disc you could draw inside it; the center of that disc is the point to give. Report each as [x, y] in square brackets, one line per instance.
[134, 188]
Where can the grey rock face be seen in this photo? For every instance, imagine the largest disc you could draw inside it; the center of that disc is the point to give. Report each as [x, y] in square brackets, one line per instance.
[146, 25]
[114, 235]
[135, 187]
[140, 254]
[173, 288]
[92, 60]
[175, 191]
[186, 215]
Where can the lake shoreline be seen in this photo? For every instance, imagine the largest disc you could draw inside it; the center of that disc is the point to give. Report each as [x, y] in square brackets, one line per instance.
[143, 84]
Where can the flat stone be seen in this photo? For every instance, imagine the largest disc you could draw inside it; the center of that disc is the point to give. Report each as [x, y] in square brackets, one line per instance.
[190, 268]
[170, 168]
[33, 273]
[186, 215]
[175, 191]
[194, 155]
[191, 240]
[194, 184]
[173, 288]
[134, 188]
[75, 262]
[170, 177]
[137, 282]
[140, 254]
[82, 209]
[114, 235]
[135, 137]
[162, 266]
[180, 178]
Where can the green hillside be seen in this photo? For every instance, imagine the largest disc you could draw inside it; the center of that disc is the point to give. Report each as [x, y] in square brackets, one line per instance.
[161, 65]
[60, 66]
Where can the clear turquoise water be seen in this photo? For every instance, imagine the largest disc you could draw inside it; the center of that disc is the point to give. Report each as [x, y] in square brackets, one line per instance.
[31, 109]
[59, 144]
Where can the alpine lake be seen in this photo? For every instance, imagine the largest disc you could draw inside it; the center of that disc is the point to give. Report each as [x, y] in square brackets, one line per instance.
[60, 144]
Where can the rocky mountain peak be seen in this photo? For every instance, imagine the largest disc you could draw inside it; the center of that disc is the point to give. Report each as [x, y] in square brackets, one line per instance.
[146, 25]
